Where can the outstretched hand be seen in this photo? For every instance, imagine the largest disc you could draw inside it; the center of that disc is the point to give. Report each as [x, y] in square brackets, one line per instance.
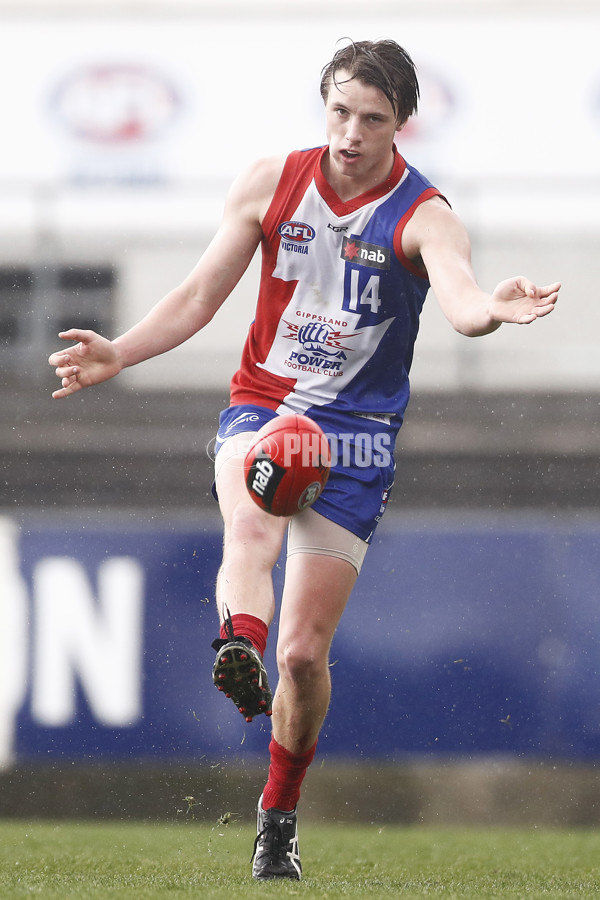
[521, 302]
[90, 361]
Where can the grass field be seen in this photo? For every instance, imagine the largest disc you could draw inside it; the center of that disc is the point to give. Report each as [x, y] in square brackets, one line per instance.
[72, 861]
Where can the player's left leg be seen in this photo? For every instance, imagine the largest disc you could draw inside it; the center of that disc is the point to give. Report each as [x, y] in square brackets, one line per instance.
[316, 591]
[317, 588]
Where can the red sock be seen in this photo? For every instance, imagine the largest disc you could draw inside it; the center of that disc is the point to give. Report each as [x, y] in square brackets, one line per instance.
[286, 773]
[250, 627]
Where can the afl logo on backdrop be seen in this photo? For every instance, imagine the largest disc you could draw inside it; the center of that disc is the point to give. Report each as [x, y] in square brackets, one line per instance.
[299, 232]
[115, 104]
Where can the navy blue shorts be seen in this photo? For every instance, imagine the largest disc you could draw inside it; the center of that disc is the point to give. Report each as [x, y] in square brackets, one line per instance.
[362, 470]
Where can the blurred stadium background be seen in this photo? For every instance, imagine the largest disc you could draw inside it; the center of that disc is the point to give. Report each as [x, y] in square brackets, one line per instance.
[124, 124]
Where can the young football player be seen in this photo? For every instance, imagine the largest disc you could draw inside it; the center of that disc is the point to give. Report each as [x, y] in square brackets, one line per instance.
[352, 238]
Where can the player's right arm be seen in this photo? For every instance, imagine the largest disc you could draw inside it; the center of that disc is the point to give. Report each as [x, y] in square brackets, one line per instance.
[191, 305]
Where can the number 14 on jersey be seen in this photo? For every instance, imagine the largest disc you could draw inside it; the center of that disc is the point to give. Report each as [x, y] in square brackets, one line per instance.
[365, 298]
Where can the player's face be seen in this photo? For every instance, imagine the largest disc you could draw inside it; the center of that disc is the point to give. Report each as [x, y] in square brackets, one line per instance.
[361, 125]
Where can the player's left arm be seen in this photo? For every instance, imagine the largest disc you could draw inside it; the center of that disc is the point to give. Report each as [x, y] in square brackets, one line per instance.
[436, 236]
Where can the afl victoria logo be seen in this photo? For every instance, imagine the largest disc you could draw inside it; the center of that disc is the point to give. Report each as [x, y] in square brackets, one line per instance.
[299, 232]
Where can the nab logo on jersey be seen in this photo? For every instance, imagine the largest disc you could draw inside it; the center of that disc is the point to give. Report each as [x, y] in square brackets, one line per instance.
[363, 254]
[299, 232]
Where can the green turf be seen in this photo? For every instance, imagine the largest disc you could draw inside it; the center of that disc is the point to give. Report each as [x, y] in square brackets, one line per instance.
[186, 859]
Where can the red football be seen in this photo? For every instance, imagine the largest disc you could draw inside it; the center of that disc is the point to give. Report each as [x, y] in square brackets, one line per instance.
[287, 464]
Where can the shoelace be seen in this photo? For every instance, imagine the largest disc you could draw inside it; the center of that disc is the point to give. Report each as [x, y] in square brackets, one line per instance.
[227, 623]
[273, 835]
[231, 636]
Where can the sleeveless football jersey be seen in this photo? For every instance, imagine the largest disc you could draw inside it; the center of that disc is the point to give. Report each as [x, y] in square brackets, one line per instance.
[339, 303]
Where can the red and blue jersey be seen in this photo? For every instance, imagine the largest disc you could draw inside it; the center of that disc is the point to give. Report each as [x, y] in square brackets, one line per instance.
[338, 307]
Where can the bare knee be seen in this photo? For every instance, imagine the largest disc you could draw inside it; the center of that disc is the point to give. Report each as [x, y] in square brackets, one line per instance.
[302, 661]
[253, 537]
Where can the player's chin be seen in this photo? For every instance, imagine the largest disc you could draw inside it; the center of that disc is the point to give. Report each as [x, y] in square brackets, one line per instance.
[350, 163]
[345, 162]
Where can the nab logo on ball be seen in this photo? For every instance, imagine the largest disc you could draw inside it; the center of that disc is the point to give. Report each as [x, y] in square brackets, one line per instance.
[264, 477]
[263, 472]
[287, 465]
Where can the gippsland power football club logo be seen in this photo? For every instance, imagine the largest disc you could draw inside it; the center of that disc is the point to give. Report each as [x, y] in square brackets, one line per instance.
[323, 347]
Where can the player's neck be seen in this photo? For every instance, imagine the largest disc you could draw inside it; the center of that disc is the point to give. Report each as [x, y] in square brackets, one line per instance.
[348, 187]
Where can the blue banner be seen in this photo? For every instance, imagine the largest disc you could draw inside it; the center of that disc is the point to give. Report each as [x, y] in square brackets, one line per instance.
[462, 637]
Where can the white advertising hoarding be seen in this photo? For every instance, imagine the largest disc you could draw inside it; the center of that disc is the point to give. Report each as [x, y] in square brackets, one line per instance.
[194, 98]
[122, 135]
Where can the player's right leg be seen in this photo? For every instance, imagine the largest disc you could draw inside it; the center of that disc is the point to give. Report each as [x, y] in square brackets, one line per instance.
[252, 542]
